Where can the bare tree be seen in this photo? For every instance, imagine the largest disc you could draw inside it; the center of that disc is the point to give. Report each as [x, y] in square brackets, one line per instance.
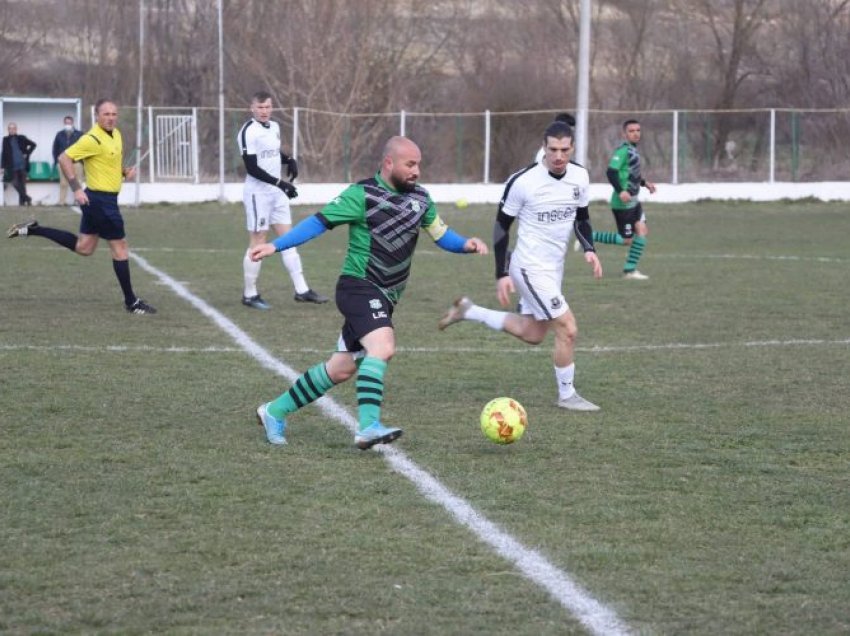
[374, 56]
[21, 35]
[732, 26]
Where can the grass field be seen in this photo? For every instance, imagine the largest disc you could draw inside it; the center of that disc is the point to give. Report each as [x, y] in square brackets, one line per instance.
[711, 495]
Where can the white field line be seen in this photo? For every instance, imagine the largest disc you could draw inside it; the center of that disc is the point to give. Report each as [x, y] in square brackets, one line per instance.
[435, 252]
[672, 346]
[118, 348]
[595, 616]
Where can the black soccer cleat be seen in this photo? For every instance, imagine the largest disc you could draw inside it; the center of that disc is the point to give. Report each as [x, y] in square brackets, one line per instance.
[21, 229]
[310, 296]
[140, 307]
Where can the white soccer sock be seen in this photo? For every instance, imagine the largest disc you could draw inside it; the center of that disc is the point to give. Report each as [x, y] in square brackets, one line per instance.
[564, 377]
[250, 272]
[490, 317]
[292, 262]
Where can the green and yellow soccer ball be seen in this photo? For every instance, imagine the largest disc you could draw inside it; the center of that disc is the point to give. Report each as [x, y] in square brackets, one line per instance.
[503, 420]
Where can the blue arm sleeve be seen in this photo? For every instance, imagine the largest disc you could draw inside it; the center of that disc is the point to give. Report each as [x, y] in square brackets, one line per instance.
[451, 241]
[308, 229]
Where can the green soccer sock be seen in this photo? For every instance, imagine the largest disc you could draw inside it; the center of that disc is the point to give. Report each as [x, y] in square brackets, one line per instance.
[611, 238]
[309, 387]
[370, 390]
[635, 251]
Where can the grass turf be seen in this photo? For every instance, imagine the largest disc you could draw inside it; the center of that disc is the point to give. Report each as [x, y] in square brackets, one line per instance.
[709, 496]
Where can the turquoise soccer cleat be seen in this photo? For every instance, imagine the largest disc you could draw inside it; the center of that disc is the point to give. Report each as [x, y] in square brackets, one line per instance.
[274, 427]
[376, 433]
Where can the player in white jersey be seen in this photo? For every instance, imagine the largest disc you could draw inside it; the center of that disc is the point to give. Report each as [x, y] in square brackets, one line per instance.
[550, 201]
[266, 196]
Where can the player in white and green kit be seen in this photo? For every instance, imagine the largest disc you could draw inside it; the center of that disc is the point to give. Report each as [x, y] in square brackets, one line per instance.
[624, 175]
[384, 215]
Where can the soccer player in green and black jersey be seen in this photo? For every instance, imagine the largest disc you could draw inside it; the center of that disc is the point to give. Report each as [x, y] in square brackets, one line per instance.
[625, 176]
[384, 215]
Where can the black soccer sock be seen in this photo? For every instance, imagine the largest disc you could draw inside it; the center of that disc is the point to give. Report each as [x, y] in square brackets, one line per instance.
[63, 238]
[122, 272]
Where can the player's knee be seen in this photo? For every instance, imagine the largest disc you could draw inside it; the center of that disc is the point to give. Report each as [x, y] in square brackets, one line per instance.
[338, 376]
[384, 352]
[340, 368]
[533, 338]
[533, 332]
[567, 332]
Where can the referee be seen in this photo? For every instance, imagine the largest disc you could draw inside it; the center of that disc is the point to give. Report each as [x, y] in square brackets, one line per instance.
[101, 150]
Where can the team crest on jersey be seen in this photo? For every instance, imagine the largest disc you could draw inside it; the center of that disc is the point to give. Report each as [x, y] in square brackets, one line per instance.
[375, 304]
[262, 223]
[415, 206]
[576, 192]
[556, 302]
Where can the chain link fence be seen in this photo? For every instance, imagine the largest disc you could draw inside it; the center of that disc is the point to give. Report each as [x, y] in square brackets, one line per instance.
[683, 146]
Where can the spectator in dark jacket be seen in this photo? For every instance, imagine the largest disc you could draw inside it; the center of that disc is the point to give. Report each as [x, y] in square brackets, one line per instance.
[16, 160]
[64, 139]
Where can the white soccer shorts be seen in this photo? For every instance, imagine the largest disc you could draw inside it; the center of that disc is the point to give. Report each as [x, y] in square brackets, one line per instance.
[264, 208]
[539, 292]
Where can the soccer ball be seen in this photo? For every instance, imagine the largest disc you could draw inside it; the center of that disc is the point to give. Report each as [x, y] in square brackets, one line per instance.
[503, 420]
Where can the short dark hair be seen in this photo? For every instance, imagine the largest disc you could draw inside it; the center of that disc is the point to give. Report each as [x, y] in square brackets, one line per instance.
[558, 130]
[261, 96]
[629, 122]
[567, 118]
[101, 102]
[67, 117]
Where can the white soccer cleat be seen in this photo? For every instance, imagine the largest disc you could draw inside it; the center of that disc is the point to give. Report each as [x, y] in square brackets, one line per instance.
[455, 313]
[635, 275]
[577, 403]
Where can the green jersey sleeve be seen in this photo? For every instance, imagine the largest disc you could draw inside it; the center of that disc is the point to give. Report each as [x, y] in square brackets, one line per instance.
[430, 214]
[619, 159]
[348, 207]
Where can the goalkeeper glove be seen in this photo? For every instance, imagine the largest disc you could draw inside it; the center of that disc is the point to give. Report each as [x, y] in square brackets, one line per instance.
[288, 189]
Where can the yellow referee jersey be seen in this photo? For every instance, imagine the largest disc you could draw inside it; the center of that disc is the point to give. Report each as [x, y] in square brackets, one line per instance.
[103, 156]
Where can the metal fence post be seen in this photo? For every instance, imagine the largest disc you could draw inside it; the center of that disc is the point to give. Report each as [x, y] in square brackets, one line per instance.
[459, 148]
[403, 123]
[295, 133]
[675, 158]
[151, 149]
[795, 145]
[196, 159]
[486, 146]
[772, 144]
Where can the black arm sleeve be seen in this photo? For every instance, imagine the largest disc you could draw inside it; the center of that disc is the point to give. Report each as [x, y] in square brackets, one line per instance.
[613, 179]
[501, 238]
[584, 233]
[256, 171]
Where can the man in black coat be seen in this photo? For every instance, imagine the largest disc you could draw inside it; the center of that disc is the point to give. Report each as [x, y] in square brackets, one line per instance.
[16, 160]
